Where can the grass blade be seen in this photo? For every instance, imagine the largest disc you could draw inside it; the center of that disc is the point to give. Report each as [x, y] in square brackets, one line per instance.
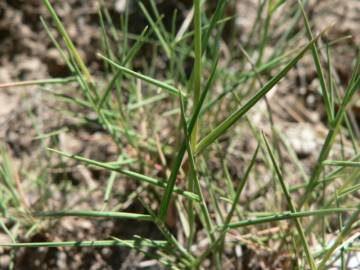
[131, 174]
[319, 70]
[235, 116]
[38, 82]
[157, 31]
[342, 163]
[69, 44]
[99, 243]
[175, 169]
[171, 89]
[195, 180]
[77, 213]
[287, 216]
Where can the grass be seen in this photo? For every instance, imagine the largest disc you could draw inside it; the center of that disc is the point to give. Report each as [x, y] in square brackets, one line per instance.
[173, 126]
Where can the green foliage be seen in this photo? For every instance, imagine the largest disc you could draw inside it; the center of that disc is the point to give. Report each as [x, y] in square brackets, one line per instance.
[195, 103]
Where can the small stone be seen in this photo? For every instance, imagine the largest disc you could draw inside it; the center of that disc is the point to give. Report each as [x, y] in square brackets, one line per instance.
[120, 6]
[302, 138]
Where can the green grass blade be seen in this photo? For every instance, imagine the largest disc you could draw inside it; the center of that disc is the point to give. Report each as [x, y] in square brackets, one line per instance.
[235, 116]
[197, 67]
[146, 102]
[348, 190]
[287, 216]
[57, 45]
[241, 186]
[342, 163]
[132, 52]
[131, 174]
[89, 214]
[94, 243]
[319, 70]
[176, 166]
[196, 182]
[69, 44]
[216, 18]
[38, 82]
[171, 89]
[157, 31]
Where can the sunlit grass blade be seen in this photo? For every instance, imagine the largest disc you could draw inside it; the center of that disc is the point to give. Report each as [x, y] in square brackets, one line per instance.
[57, 45]
[157, 14]
[287, 216]
[235, 116]
[92, 214]
[105, 42]
[171, 89]
[130, 55]
[241, 186]
[109, 185]
[146, 102]
[126, 59]
[319, 69]
[265, 33]
[38, 82]
[131, 174]
[94, 243]
[348, 245]
[342, 163]
[69, 44]
[157, 31]
[349, 190]
[191, 139]
[243, 77]
[180, 137]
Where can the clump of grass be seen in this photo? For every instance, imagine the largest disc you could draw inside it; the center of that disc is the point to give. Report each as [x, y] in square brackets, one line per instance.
[204, 208]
